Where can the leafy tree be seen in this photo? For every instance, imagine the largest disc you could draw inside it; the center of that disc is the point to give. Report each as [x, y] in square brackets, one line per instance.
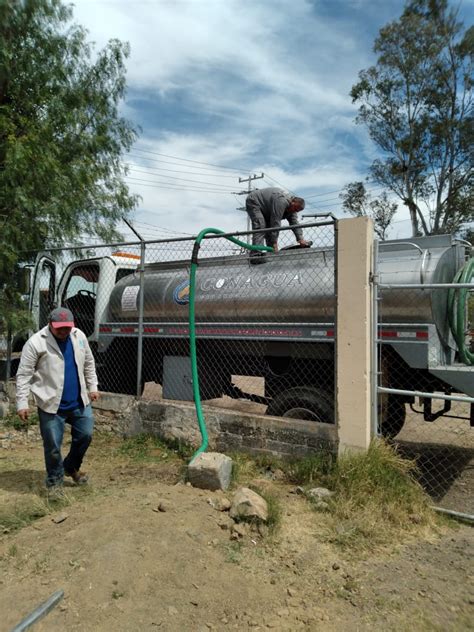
[357, 201]
[416, 103]
[61, 135]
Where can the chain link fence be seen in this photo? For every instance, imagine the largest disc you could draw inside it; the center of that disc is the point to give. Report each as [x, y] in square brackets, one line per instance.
[264, 326]
[424, 363]
[265, 329]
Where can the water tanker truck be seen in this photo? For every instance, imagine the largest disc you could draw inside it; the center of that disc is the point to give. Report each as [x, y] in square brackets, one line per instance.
[274, 321]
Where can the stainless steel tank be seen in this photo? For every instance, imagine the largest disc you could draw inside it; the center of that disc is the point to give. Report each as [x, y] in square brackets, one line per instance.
[291, 287]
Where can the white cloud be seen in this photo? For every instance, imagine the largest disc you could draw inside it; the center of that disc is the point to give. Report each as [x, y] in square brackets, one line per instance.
[261, 85]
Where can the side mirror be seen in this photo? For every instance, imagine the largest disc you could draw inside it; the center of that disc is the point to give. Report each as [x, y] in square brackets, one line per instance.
[23, 280]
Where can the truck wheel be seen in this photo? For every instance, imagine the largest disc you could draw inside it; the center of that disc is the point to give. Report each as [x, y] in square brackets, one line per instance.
[392, 414]
[303, 402]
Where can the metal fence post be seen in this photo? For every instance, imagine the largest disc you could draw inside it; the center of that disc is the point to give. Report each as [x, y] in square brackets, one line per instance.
[374, 341]
[140, 319]
[140, 308]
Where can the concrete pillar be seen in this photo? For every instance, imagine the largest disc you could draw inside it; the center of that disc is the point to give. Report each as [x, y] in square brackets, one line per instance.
[353, 330]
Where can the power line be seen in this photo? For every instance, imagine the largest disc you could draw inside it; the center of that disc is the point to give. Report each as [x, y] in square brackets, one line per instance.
[161, 229]
[190, 173]
[222, 186]
[279, 184]
[197, 162]
[177, 187]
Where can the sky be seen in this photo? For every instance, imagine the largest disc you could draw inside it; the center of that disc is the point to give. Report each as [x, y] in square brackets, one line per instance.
[226, 89]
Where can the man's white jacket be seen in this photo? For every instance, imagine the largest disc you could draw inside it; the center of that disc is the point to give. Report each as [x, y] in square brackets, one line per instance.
[41, 370]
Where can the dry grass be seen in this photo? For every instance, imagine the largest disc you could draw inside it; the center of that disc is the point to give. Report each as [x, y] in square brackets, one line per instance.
[377, 499]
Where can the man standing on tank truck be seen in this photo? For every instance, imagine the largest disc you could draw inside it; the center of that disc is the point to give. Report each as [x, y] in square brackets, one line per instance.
[58, 368]
[266, 209]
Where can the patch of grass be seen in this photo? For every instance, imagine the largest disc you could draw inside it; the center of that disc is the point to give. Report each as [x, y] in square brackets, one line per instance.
[13, 421]
[274, 509]
[145, 447]
[243, 468]
[28, 510]
[234, 552]
[13, 550]
[247, 467]
[274, 513]
[300, 471]
[19, 516]
[312, 469]
[376, 501]
[377, 498]
[268, 462]
[177, 447]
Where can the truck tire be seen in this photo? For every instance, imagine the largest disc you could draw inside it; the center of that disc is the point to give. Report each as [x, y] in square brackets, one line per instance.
[303, 402]
[392, 414]
[312, 404]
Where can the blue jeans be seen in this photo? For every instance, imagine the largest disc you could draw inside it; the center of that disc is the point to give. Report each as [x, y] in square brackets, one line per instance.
[52, 431]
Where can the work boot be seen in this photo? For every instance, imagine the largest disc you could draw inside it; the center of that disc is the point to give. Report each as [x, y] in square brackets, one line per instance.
[55, 492]
[80, 478]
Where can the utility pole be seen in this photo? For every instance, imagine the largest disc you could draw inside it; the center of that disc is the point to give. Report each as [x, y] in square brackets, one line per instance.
[242, 208]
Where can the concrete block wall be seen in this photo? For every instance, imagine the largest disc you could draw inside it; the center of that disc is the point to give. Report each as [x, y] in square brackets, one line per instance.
[227, 430]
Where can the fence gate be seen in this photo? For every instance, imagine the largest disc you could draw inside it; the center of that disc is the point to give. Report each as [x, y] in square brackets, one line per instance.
[424, 375]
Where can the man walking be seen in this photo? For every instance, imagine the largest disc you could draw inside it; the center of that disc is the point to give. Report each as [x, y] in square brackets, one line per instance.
[266, 209]
[58, 368]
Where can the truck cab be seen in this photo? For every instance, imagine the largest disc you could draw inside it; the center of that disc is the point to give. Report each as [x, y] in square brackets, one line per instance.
[84, 287]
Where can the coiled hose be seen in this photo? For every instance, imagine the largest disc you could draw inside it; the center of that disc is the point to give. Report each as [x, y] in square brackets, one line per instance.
[192, 325]
[457, 311]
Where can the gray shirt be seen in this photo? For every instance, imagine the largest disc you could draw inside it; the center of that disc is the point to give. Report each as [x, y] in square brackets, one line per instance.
[273, 204]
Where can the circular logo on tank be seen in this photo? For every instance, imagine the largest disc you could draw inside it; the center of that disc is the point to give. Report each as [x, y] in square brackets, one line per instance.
[181, 293]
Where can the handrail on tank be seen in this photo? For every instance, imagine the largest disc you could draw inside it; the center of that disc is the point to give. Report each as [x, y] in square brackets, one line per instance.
[424, 259]
[424, 253]
[401, 243]
[464, 241]
[331, 215]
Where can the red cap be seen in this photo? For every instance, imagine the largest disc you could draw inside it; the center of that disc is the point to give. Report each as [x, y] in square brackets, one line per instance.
[61, 317]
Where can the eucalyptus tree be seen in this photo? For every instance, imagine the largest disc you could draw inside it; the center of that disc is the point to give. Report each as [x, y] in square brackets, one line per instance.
[357, 201]
[416, 102]
[61, 133]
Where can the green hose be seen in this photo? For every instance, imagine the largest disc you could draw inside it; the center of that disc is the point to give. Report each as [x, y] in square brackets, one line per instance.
[192, 326]
[457, 311]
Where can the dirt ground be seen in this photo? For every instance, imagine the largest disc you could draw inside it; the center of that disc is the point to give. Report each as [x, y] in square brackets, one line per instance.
[125, 565]
[443, 449]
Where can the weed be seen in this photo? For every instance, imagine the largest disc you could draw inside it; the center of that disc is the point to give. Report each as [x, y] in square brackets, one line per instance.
[13, 421]
[241, 465]
[42, 564]
[310, 469]
[246, 467]
[145, 447]
[179, 448]
[116, 594]
[376, 497]
[268, 462]
[376, 500]
[274, 510]
[301, 471]
[274, 513]
[12, 519]
[13, 550]
[234, 552]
